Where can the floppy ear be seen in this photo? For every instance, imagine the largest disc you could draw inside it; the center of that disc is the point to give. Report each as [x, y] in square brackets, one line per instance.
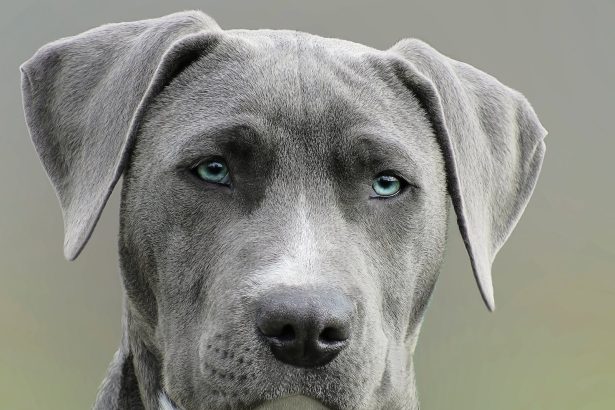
[492, 143]
[85, 96]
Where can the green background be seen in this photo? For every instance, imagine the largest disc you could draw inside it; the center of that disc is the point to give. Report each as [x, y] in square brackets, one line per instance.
[551, 342]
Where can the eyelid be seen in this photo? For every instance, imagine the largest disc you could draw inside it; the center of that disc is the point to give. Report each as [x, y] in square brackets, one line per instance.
[403, 179]
[193, 164]
[389, 172]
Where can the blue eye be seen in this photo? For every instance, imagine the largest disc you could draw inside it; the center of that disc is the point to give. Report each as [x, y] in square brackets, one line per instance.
[214, 171]
[386, 186]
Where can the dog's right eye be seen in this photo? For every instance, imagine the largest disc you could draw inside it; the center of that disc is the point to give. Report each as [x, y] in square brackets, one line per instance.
[215, 171]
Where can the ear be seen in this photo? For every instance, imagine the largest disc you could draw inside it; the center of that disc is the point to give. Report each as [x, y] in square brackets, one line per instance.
[492, 143]
[85, 96]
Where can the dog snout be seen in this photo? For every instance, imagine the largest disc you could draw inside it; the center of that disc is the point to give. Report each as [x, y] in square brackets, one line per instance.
[305, 328]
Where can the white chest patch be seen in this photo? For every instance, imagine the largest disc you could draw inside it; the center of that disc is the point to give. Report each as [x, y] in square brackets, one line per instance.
[165, 404]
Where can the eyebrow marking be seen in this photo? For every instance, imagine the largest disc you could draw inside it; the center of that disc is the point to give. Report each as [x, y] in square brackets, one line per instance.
[233, 136]
[376, 151]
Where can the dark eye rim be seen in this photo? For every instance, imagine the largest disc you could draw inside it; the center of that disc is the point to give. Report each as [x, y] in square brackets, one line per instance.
[404, 185]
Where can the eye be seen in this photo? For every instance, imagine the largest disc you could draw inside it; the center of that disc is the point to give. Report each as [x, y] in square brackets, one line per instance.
[387, 185]
[215, 171]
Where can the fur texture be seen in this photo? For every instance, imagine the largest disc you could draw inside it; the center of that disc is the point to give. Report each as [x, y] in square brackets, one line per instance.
[304, 123]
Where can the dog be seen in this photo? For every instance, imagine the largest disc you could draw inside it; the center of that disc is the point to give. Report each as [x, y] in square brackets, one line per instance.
[284, 202]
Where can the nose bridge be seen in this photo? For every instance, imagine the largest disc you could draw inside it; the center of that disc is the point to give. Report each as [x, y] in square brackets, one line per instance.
[305, 230]
[314, 246]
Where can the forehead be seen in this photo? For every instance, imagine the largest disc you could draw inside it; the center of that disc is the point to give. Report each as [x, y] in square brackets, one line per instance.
[293, 88]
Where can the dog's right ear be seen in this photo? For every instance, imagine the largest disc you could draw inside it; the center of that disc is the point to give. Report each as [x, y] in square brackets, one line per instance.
[84, 98]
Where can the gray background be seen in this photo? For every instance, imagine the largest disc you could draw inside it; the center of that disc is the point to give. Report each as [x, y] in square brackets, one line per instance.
[550, 343]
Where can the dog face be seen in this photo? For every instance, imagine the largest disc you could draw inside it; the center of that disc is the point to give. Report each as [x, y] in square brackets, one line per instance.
[303, 136]
[284, 204]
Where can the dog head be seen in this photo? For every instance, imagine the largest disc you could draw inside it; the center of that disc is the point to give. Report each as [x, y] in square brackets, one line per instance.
[284, 204]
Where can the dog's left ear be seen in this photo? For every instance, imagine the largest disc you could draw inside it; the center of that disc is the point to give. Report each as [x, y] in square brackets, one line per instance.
[491, 140]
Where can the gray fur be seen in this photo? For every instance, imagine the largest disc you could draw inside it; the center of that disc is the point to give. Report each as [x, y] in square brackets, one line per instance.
[305, 123]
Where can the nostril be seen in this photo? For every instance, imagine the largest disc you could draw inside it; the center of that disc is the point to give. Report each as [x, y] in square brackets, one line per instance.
[286, 334]
[279, 330]
[331, 335]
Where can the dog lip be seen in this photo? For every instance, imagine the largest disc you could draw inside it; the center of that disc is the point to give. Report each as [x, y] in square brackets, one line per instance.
[166, 403]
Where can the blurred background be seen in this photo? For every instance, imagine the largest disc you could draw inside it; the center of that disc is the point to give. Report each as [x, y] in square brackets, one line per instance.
[551, 342]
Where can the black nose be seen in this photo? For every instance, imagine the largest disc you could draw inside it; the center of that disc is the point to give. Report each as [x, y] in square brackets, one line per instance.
[305, 328]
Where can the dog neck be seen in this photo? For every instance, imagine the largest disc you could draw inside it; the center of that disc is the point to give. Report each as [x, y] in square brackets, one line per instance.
[133, 378]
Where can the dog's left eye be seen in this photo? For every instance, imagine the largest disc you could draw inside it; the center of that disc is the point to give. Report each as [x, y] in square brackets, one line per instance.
[215, 171]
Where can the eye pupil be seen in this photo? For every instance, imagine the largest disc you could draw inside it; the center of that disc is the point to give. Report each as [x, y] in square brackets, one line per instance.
[216, 167]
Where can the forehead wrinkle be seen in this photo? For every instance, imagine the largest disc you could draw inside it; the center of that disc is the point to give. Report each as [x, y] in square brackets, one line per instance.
[345, 97]
[320, 90]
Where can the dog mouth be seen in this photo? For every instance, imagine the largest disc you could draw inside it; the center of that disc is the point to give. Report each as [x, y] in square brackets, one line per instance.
[296, 402]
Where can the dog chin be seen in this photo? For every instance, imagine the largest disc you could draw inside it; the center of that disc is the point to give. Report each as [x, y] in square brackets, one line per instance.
[285, 403]
[292, 402]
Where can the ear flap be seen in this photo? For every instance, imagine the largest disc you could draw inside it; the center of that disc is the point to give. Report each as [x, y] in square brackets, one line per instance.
[492, 142]
[84, 98]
